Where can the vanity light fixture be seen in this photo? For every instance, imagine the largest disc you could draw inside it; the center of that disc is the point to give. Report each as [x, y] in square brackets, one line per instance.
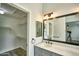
[45, 17]
[51, 15]
[48, 16]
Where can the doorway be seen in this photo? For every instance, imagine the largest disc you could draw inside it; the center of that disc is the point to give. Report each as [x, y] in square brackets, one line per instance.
[15, 25]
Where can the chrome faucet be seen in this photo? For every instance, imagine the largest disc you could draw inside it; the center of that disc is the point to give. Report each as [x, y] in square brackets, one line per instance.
[48, 42]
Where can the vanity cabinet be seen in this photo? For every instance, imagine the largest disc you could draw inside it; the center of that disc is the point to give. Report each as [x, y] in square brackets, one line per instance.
[42, 52]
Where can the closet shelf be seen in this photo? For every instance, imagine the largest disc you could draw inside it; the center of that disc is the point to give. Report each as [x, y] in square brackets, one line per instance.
[13, 31]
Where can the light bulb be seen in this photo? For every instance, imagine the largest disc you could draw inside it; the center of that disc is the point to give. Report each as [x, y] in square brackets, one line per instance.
[45, 17]
[51, 15]
[1, 12]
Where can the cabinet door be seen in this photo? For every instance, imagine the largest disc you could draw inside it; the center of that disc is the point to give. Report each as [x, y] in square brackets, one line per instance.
[42, 52]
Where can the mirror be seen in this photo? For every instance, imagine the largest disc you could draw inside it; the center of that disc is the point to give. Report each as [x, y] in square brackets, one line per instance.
[63, 29]
[38, 29]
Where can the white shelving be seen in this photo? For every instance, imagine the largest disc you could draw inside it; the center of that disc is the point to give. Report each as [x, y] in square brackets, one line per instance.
[13, 31]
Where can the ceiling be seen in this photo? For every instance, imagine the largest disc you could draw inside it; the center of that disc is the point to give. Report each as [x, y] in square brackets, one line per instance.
[12, 10]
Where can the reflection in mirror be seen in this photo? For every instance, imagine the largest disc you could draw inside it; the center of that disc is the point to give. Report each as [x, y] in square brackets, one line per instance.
[72, 29]
[48, 29]
[46, 33]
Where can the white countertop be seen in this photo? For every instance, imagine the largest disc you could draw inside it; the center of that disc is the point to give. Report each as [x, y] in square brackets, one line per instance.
[61, 48]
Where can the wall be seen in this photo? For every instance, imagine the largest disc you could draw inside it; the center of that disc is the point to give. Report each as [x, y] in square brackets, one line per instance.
[35, 10]
[11, 36]
[60, 8]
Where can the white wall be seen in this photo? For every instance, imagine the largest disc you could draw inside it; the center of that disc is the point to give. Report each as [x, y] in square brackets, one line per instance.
[35, 10]
[60, 8]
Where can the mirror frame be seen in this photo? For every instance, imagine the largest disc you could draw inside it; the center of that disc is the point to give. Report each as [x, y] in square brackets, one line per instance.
[60, 17]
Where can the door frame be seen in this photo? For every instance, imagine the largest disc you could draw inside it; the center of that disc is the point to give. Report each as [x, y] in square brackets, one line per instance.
[28, 23]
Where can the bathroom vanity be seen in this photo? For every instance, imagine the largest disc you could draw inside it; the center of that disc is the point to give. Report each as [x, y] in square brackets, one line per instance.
[63, 32]
[56, 49]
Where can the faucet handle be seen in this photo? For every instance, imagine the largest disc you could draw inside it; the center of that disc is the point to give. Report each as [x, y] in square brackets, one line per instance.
[46, 42]
[51, 43]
